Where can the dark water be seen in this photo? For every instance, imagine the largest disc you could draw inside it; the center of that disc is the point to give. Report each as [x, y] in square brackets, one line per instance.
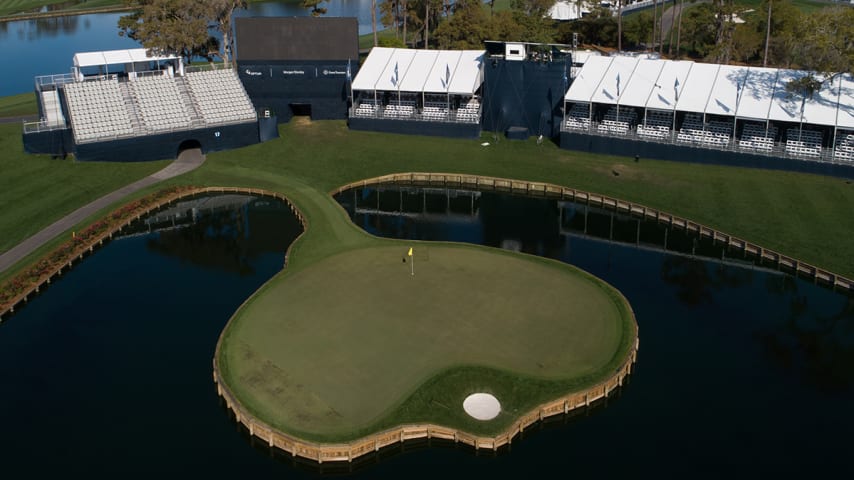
[742, 371]
[46, 46]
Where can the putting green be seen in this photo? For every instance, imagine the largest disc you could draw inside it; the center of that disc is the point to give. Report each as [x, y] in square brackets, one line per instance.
[330, 350]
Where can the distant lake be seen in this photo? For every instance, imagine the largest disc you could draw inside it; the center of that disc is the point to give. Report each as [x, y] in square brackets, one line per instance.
[46, 46]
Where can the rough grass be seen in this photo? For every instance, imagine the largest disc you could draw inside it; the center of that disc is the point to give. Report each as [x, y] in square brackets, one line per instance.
[331, 349]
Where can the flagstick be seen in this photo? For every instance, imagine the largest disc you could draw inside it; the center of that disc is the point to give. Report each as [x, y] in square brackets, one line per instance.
[412, 264]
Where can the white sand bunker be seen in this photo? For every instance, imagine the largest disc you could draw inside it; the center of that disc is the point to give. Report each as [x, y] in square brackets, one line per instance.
[482, 406]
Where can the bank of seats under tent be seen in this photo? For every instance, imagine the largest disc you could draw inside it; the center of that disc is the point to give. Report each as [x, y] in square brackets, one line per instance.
[367, 108]
[469, 112]
[618, 121]
[220, 97]
[578, 117]
[713, 133]
[657, 124]
[845, 147]
[97, 110]
[755, 137]
[435, 108]
[803, 143]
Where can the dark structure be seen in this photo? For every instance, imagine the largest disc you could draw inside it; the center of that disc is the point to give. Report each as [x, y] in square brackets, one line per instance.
[524, 86]
[297, 65]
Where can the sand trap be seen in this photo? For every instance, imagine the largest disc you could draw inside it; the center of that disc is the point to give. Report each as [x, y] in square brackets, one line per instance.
[482, 406]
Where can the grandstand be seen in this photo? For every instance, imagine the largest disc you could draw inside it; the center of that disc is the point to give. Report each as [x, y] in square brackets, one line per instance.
[729, 112]
[116, 99]
[433, 92]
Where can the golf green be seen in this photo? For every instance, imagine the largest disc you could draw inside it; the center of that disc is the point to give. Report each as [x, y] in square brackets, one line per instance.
[332, 349]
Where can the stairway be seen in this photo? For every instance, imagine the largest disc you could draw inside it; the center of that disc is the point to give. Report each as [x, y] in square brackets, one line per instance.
[130, 104]
[196, 120]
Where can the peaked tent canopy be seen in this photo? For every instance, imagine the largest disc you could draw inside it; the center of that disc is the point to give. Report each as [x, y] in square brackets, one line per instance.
[421, 71]
[116, 57]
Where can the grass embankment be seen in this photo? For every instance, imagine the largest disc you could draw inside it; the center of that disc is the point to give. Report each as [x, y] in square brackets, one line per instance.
[327, 352]
[11, 8]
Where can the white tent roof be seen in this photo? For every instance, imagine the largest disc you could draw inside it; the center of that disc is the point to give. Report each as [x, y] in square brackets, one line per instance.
[418, 70]
[784, 106]
[845, 115]
[395, 70]
[698, 87]
[615, 80]
[725, 92]
[671, 82]
[114, 57]
[371, 69]
[469, 74]
[432, 71]
[642, 83]
[821, 108]
[734, 91]
[439, 79]
[584, 85]
[757, 93]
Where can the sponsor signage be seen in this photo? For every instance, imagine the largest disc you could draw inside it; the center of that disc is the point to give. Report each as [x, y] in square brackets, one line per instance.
[293, 72]
[332, 71]
[253, 71]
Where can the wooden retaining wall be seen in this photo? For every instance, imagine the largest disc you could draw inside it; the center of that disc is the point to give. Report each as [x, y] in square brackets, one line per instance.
[547, 190]
[8, 308]
[347, 452]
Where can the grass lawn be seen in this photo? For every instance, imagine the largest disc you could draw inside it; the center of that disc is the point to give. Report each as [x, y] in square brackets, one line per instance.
[33, 185]
[332, 351]
[21, 104]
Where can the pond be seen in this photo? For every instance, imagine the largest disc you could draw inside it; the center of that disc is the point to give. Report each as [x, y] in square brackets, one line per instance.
[46, 46]
[742, 370]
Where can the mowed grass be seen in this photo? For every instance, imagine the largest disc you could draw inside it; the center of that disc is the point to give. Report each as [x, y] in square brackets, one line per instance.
[332, 349]
[15, 105]
[33, 185]
[11, 7]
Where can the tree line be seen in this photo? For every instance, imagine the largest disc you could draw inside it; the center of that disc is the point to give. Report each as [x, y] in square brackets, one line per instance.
[776, 34]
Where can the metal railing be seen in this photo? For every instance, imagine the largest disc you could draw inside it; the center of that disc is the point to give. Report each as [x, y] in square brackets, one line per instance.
[778, 150]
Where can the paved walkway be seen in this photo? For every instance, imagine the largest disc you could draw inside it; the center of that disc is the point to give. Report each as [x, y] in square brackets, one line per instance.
[187, 161]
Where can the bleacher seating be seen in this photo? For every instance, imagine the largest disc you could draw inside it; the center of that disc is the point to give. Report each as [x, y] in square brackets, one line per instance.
[159, 103]
[844, 147]
[618, 121]
[657, 125]
[220, 97]
[712, 133]
[434, 113]
[405, 109]
[806, 143]
[367, 109]
[97, 110]
[469, 112]
[754, 137]
[578, 117]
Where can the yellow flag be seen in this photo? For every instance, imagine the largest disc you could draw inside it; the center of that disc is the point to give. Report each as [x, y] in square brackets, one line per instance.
[410, 251]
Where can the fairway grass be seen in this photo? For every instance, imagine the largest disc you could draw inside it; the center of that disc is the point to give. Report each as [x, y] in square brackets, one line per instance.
[340, 348]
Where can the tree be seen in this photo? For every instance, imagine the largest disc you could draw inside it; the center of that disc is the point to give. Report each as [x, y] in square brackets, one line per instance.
[699, 25]
[597, 27]
[313, 5]
[374, 20]
[724, 27]
[177, 27]
[466, 28]
[532, 16]
[619, 25]
[222, 11]
[638, 29]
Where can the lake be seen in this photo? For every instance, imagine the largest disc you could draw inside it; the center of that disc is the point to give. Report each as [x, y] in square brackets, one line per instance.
[46, 46]
[743, 371]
